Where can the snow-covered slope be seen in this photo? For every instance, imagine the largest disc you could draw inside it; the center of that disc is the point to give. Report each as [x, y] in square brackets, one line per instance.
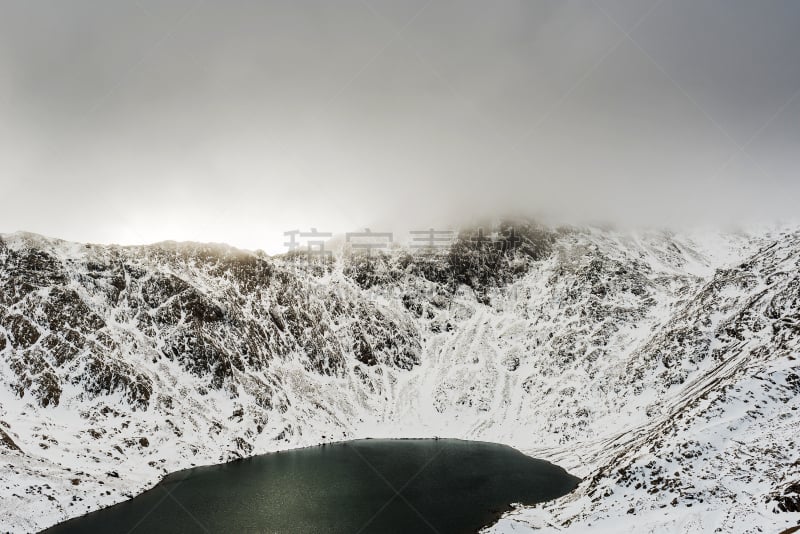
[651, 359]
[719, 451]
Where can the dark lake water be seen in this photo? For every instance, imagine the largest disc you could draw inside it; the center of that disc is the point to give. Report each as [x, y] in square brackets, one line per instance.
[365, 486]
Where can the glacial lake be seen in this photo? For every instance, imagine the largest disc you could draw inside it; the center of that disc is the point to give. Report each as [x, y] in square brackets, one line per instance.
[364, 486]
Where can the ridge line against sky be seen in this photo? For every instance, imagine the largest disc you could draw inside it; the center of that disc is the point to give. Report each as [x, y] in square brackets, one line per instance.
[141, 121]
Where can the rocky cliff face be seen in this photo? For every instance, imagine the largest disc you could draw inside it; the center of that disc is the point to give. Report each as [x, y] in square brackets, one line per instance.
[120, 364]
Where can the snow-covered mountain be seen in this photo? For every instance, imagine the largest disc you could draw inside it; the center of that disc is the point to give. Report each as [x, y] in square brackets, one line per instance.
[662, 368]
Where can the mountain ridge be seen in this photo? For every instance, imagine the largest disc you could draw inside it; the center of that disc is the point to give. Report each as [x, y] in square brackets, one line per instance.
[121, 364]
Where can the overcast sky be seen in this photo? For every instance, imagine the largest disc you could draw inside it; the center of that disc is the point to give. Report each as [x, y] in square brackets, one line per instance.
[136, 121]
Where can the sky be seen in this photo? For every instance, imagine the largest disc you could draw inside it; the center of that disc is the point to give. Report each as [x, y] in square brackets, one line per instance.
[135, 121]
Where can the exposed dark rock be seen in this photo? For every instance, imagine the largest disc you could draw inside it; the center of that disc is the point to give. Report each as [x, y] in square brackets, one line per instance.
[36, 375]
[106, 375]
[788, 500]
[158, 289]
[243, 446]
[26, 271]
[363, 351]
[23, 333]
[7, 442]
[277, 319]
[191, 304]
[64, 309]
[412, 305]
[203, 356]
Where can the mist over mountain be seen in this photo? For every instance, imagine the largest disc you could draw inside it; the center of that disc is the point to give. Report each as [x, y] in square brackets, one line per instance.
[234, 122]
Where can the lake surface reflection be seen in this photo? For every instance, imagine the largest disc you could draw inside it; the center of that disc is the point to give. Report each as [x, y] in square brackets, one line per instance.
[364, 486]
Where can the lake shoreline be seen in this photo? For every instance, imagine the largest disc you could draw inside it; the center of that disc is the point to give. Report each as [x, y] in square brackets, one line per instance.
[495, 512]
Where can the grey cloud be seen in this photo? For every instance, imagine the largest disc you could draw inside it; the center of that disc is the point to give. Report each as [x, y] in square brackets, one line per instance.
[233, 121]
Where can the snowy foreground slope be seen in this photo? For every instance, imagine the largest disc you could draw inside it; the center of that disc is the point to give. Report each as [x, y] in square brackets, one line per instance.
[661, 368]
